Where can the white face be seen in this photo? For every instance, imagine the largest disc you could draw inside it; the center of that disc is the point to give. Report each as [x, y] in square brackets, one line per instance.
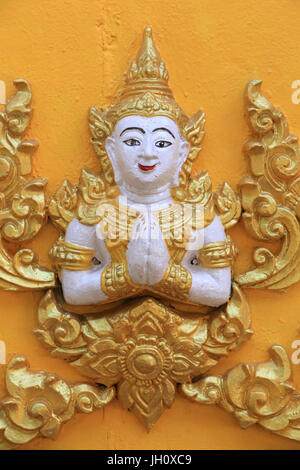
[146, 153]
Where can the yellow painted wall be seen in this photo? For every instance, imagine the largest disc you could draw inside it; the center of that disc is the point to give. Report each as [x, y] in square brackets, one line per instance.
[74, 53]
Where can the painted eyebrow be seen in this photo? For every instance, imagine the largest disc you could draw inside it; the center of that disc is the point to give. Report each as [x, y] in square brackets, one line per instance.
[133, 128]
[164, 129]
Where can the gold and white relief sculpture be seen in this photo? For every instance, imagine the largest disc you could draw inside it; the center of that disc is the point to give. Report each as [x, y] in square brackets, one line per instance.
[147, 297]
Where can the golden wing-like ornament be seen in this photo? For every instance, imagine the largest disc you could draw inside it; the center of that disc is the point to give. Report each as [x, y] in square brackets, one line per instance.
[271, 194]
[22, 201]
[255, 393]
[39, 403]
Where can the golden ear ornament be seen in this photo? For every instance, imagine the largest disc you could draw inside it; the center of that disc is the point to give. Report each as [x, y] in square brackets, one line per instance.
[146, 346]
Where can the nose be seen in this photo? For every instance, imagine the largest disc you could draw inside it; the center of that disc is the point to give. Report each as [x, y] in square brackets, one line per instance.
[148, 148]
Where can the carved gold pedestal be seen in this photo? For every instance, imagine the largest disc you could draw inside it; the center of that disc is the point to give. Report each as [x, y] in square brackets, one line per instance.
[144, 346]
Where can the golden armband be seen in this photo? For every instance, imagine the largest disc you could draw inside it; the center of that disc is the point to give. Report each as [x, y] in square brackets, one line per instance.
[218, 254]
[65, 255]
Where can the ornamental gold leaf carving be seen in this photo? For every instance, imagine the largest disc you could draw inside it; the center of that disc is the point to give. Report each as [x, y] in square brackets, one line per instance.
[144, 347]
[227, 205]
[270, 195]
[39, 403]
[22, 201]
[256, 393]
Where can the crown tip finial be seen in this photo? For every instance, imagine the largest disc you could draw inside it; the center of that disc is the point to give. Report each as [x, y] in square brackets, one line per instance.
[148, 31]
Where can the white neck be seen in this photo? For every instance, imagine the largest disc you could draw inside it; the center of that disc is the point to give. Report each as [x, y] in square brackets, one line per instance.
[161, 195]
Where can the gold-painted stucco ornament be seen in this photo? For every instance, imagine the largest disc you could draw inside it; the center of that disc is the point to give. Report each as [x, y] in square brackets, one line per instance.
[39, 403]
[256, 393]
[144, 347]
[22, 200]
[270, 196]
[146, 338]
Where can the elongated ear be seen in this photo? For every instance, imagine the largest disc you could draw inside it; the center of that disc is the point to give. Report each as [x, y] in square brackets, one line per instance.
[183, 151]
[111, 153]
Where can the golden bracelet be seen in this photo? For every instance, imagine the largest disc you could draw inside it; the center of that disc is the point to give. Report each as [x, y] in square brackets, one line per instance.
[218, 254]
[65, 255]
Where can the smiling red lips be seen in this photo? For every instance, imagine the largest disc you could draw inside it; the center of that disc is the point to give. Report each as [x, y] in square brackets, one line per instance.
[147, 168]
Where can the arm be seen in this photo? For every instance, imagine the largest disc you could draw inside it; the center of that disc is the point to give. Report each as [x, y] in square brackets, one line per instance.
[84, 287]
[210, 286]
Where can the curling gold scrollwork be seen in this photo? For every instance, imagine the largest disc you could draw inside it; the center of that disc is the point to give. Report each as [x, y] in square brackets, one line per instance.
[270, 196]
[79, 201]
[22, 201]
[256, 393]
[39, 403]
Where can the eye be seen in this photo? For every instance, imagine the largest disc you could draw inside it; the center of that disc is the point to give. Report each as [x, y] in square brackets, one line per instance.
[132, 142]
[163, 144]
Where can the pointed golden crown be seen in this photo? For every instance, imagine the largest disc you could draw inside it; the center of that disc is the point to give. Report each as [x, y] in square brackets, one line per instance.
[147, 72]
[145, 89]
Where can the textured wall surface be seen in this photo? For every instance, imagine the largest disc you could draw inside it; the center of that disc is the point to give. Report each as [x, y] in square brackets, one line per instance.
[74, 53]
